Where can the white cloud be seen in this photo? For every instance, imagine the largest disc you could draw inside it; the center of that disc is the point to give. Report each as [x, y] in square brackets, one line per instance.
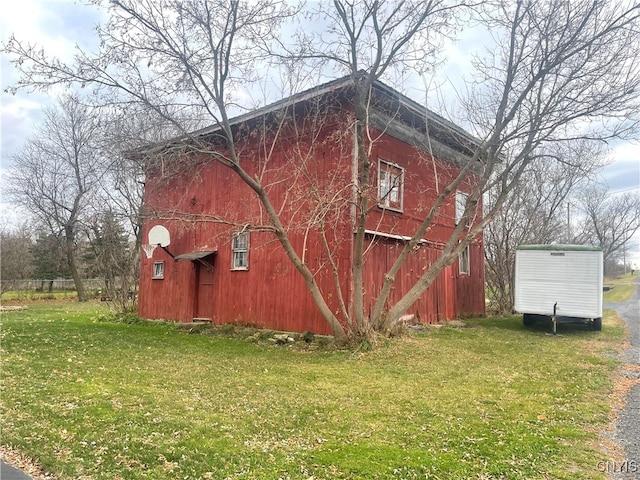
[56, 25]
[21, 18]
[623, 174]
[18, 117]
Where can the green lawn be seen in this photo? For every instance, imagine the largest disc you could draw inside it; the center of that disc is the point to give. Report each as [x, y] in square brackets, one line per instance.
[621, 288]
[16, 296]
[96, 400]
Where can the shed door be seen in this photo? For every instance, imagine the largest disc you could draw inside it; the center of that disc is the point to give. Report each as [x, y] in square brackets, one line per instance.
[204, 287]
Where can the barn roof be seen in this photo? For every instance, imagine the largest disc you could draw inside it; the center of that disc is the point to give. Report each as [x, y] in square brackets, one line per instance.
[391, 111]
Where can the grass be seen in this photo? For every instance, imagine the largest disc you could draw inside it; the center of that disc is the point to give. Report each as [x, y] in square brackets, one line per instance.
[13, 296]
[622, 288]
[96, 400]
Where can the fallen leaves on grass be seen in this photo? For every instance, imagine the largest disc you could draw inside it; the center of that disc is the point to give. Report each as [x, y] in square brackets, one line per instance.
[26, 464]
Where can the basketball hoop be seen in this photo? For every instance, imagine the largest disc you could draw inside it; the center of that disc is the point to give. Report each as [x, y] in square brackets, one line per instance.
[158, 236]
[148, 249]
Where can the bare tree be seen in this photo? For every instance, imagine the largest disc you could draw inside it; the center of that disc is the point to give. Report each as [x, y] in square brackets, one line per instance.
[15, 249]
[610, 221]
[556, 66]
[536, 212]
[557, 71]
[121, 195]
[57, 172]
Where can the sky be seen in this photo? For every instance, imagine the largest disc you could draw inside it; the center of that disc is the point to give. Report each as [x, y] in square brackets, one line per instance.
[59, 25]
[56, 24]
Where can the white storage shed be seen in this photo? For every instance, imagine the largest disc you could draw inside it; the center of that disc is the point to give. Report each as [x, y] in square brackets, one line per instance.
[559, 282]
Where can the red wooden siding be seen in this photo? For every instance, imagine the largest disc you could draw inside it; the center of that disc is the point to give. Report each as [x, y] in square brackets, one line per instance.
[420, 191]
[435, 305]
[271, 293]
[300, 178]
[452, 293]
[469, 289]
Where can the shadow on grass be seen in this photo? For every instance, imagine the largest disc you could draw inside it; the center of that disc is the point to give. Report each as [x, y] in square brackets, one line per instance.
[514, 323]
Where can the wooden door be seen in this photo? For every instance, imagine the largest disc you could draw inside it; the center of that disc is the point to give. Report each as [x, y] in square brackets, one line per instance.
[204, 288]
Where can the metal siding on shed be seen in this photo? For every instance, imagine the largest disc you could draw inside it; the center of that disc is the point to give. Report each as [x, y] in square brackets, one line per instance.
[572, 279]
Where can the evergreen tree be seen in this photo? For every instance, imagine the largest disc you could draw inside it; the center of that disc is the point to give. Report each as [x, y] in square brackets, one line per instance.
[109, 255]
[49, 259]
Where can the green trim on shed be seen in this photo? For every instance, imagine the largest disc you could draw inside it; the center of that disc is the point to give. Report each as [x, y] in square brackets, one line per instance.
[561, 247]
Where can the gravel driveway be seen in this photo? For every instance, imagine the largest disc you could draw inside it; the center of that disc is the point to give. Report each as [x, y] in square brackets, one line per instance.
[627, 425]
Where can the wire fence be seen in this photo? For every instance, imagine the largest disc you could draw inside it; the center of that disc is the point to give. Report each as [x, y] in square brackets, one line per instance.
[58, 284]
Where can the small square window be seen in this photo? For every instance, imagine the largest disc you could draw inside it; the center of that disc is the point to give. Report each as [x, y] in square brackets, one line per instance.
[390, 185]
[240, 251]
[463, 262]
[158, 270]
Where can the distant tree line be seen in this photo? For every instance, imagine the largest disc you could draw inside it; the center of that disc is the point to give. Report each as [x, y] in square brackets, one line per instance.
[101, 250]
[82, 199]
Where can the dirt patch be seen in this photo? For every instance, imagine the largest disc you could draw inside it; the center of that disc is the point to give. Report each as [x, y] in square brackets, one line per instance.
[627, 377]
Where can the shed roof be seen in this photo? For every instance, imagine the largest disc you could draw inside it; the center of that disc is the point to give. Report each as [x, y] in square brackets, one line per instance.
[560, 247]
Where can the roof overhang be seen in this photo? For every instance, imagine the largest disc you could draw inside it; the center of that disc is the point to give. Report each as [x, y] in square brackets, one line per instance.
[196, 255]
[393, 112]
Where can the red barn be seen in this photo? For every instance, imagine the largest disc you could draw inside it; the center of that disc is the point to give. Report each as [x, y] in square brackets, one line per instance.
[221, 260]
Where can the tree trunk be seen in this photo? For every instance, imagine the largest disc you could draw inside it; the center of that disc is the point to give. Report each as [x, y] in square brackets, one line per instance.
[364, 190]
[73, 268]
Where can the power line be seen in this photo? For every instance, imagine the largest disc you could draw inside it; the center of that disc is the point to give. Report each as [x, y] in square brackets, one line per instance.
[625, 189]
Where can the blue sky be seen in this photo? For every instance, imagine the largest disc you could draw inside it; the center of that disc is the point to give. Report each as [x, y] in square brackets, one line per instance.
[59, 25]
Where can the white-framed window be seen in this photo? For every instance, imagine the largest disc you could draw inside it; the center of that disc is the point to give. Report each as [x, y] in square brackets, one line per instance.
[461, 201]
[158, 270]
[464, 266]
[240, 251]
[390, 185]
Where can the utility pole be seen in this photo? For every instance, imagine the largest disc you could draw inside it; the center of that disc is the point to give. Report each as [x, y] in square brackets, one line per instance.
[568, 222]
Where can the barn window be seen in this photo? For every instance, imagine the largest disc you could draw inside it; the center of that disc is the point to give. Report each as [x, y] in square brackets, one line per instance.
[463, 262]
[461, 201]
[390, 185]
[240, 251]
[158, 270]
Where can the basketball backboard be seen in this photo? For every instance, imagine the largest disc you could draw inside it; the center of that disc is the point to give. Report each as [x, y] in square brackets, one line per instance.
[159, 235]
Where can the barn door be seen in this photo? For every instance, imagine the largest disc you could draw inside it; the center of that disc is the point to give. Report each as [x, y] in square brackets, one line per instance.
[204, 288]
